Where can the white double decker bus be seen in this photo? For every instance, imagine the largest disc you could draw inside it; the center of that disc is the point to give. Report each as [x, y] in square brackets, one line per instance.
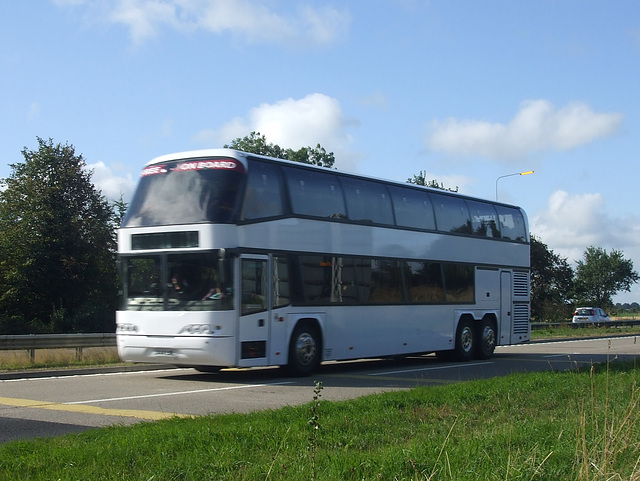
[234, 259]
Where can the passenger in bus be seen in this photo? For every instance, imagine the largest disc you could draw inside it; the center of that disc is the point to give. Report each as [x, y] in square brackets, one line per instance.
[179, 283]
[213, 293]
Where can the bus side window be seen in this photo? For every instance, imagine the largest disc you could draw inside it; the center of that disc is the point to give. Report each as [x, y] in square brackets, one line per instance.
[412, 208]
[459, 282]
[263, 196]
[367, 202]
[281, 294]
[315, 194]
[484, 220]
[254, 286]
[512, 224]
[386, 283]
[424, 282]
[452, 214]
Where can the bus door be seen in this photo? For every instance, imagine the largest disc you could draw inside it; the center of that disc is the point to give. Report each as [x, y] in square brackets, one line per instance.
[264, 288]
[255, 311]
[506, 307]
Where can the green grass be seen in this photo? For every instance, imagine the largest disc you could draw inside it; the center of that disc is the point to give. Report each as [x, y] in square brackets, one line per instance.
[583, 331]
[537, 426]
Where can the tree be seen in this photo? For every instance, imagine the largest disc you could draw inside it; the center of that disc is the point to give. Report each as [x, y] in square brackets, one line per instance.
[551, 283]
[57, 246]
[601, 275]
[421, 179]
[256, 143]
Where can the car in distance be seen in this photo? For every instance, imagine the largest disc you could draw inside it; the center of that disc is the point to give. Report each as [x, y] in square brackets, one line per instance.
[590, 314]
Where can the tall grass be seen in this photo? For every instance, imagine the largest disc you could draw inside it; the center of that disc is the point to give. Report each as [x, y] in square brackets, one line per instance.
[535, 426]
[49, 358]
[607, 432]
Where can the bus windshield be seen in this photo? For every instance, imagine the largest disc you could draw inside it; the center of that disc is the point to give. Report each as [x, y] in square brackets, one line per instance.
[177, 282]
[186, 192]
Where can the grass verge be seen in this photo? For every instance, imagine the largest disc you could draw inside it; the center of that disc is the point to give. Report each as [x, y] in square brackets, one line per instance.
[536, 426]
[568, 332]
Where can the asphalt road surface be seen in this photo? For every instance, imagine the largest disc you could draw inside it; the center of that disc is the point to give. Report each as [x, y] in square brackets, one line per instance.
[52, 403]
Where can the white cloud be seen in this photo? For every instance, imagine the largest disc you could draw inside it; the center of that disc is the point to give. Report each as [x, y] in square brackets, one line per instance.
[571, 223]
[537, 127]
[111, 185]
[254, 21]
[293, 123]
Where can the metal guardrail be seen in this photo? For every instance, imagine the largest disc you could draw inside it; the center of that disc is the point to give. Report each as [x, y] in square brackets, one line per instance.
[584, 325]
[78, 342]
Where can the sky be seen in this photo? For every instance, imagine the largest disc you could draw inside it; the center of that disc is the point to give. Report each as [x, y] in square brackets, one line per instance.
[466, 91]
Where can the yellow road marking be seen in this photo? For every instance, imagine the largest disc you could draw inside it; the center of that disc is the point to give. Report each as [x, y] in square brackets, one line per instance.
[77, 408]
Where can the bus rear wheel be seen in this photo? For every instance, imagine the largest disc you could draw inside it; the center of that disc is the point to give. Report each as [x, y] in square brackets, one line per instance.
[487, 335]
[465, 341]
[304, 350]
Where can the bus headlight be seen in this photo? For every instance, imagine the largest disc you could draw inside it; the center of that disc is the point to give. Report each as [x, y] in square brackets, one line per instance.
[198, 329]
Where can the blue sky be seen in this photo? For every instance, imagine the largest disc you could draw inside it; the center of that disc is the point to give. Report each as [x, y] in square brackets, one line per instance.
[466, 91]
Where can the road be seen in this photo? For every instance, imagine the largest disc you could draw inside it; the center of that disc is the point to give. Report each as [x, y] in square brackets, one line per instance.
[54, 403]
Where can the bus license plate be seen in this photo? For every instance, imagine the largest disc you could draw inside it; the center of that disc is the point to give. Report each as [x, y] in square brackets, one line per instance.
[164, 352]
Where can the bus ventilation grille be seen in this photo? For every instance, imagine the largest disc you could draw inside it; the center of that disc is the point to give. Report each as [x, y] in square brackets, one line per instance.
[521, 284]
[521, 318]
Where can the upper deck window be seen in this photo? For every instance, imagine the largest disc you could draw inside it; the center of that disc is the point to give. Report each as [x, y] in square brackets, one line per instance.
[367, 201]
[413, 208]
[186, 192]
[484, 220]
[512, 224]
[264, 195]
[452, 214]
[316, 194]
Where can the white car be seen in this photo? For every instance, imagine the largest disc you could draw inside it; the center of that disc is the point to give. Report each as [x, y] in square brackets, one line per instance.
[590, 314]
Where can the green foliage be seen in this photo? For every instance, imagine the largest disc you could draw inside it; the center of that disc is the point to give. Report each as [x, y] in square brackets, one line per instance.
[256, 143]
[551, 283]
[421, 179]
[556, 287]
[600, 275]
[57, 246]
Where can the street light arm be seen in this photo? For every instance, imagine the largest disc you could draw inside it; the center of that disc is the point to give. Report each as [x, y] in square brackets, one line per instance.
[509, 175]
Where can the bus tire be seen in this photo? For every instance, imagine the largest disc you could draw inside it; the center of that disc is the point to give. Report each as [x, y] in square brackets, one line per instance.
[305, 348]
[465, 341]
[486, 339]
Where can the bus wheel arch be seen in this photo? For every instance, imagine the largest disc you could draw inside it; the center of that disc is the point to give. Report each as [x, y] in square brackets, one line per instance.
[486, 337]
[305, 348]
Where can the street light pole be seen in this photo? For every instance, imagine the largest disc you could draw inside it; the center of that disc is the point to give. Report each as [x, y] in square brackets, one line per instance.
[509, 175]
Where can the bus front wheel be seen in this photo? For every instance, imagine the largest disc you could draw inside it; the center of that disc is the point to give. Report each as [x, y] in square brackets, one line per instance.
[304, 350]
